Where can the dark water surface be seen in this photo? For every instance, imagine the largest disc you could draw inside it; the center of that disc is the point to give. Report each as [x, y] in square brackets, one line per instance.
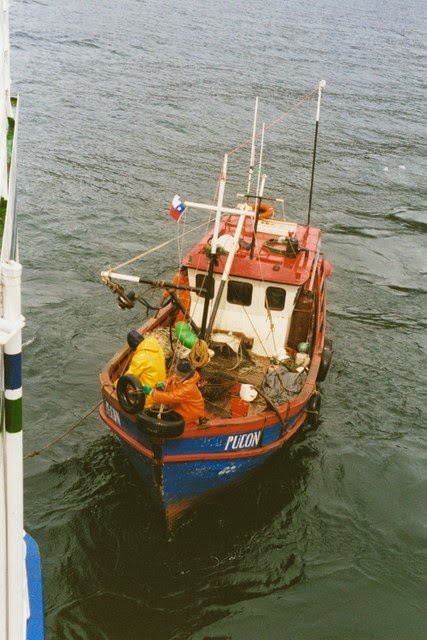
[124, 104]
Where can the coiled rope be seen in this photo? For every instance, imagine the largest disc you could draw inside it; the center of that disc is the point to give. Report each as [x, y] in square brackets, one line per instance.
[199, 355]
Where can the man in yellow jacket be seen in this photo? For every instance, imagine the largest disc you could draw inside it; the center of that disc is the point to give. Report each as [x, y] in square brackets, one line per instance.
[181, 392]
[148, 361]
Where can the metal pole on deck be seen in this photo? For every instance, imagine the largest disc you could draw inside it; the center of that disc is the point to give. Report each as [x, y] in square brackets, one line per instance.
[225, 276]
[213, 255]
[257, 210]
[322, 85]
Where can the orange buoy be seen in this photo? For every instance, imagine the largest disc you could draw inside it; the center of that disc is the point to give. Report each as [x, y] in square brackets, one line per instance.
[265, 210]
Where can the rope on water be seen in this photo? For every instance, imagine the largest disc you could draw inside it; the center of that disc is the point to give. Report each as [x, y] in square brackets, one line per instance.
[36, 452]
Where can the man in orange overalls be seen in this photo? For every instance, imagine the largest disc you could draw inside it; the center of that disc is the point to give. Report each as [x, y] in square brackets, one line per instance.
[181, 392]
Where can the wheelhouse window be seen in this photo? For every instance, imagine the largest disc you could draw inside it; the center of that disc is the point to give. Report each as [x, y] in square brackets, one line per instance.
[239, 293]
[202, 281]
[275, 298]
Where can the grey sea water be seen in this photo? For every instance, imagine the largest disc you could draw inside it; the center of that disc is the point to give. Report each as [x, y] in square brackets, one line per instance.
[124, 104]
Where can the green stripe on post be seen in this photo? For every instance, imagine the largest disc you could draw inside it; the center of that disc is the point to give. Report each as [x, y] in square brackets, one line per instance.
[13, 415]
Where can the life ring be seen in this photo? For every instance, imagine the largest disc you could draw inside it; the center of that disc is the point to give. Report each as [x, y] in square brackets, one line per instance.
[170, 425]
[130, 394]
[313, 409]
[265, 210]
[325, 361]
[273, 245]
[286, 247]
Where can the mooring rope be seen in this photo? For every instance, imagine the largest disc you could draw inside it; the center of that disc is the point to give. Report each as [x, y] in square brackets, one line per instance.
[36, 452]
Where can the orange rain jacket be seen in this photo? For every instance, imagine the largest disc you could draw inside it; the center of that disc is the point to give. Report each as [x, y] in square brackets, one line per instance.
[148, 364]
[183, 396]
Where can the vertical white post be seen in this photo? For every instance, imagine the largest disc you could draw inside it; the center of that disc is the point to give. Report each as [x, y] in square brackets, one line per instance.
[260, 160]
[4, 73]
[252, 158]
[219, 204]
[225, 273]
[3, 560]
[13, 459]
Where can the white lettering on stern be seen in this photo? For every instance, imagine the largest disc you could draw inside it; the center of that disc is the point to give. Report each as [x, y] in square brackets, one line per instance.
[243, 441]
[112, 413]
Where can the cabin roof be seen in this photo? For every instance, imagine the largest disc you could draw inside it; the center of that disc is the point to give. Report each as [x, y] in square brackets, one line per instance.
[270, 262]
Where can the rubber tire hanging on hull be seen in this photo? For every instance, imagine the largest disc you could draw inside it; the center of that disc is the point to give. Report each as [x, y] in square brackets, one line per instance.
[313, 409]
[170, 425]
[326, 360]
[130, 394]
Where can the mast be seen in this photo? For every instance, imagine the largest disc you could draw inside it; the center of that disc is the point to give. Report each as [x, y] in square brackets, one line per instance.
[261, 153]
[221, 191]
[225, 276]
[252, 158]
[213, 258]
[322, 85]
[259, 194]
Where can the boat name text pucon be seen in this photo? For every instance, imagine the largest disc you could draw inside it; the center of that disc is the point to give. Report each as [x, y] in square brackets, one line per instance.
[243, 441]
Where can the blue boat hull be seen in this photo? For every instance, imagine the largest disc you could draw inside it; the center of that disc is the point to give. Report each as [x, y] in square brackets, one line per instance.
[179, 472]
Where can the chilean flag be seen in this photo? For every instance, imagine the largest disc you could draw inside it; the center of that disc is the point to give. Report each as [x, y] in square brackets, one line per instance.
[177, 208]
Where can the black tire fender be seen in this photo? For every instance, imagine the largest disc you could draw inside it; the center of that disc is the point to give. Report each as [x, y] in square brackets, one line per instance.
[130, 395]
[326, 360]
[313, 409]
[169, 425]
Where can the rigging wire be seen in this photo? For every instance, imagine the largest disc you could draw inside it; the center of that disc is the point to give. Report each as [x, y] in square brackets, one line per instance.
[279, 118]
[266, 127]
[153, 249]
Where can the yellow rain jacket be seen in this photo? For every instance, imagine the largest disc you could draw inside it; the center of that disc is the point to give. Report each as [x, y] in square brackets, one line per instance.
[148, 364]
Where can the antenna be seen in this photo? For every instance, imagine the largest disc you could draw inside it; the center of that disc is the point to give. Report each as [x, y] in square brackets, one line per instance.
[322, 85]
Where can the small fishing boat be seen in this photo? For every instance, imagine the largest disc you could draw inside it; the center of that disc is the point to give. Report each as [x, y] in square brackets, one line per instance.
[245, 315]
